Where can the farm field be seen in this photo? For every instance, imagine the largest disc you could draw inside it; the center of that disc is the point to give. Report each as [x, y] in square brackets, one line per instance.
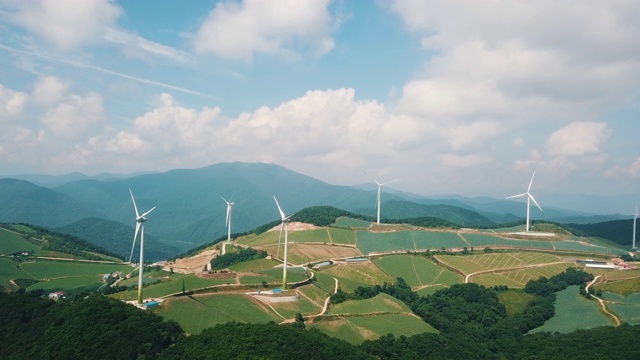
[381, 303]
[483, 262]
[358, 329]
[254, 265]
[577, 246]
[10, 270]
[10, 243]
[351, 223]
[417, 270]
[312, 236]
[289, 309]
[351, 276]
[57, 269]
[573, 312]
[161, 288]
[266, 238]
[306, 253]
[626, 307]
[342, 236]
[518, 278]
[369, 242]
[196, 313]
[436, 240]
[69, 284]
[621, 282]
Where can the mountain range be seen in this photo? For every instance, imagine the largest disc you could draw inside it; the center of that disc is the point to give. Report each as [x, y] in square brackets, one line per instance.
[190, 210]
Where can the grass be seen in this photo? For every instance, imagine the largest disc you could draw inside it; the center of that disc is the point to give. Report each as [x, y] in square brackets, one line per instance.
[69, 284]
[351, 223]
[573, 312]
[622, 287]
[417, 270]
[369, 242]
[254, 265]
[58, 269]
[626, 307]
[168, 286]
[312, 236]
[23, 228]
[483, 262]
[290, 309]
[355, 330]
[351, 276]
[429, 290]
[515, 300]
[437, 240]
[342, 236]
[381, 303]
[11, 243]
[9, 270]
[197, 313]
[519, 278]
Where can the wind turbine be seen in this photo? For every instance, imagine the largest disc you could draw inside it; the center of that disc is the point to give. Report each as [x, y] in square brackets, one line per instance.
[635, 216]
[529, 198]
[227, 222]
[379, 189]
[285, 223]
[140, 219]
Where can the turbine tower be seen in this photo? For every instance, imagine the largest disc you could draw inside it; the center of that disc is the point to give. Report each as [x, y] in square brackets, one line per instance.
[140, 219]
[285, 222]
[635, 216]
[227, 222]
[529, 198]
[378, 198]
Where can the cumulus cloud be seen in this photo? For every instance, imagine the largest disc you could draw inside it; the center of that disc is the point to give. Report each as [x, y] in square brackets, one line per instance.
[578, 139]
[49, 90]
[11, 103]
[68, 23]
[75, 114]
[240, 30]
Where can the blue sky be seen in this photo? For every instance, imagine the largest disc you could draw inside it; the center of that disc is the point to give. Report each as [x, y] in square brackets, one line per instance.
[459, 97]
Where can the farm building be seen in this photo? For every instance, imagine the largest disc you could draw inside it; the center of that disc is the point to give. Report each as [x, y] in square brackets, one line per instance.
[357, 259]
[600, 266]
[322, 264]
[56, 295]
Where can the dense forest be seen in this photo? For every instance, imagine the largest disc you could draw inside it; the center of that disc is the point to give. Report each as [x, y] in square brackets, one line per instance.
[230, 258]
[473, 324]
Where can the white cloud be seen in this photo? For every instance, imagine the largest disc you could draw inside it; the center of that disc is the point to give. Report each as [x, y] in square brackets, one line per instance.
[240, 30]
[49, 90]
[68, 23]
[11, 103]
[634, 169]
[75, 114]
[578, 139]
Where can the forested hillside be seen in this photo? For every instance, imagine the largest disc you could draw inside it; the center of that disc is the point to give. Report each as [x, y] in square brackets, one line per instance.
[618, 231]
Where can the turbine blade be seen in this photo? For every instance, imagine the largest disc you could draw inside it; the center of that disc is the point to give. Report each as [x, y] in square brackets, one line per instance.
[515, 196]
[145, 214]
[135, 236]
[531, 182]
[371, 177]
[134, 203]
[389, 182]
[282, 215]
[225, 200]
[280, 237]
[535, 202]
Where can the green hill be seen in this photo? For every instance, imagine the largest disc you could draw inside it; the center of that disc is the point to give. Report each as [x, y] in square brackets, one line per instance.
[400, 209]
[117, 238]
[617, 231]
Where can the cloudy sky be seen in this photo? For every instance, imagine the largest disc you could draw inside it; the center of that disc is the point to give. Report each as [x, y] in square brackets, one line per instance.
[462, 97]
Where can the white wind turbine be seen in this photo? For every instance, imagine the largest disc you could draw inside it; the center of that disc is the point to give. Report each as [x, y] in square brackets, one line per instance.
[140, 219]
[285, 222]
[379, 189]
[635, 216]
[529, 198]
[227, 222]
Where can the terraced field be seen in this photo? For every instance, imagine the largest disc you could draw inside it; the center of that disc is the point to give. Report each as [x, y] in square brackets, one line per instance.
[161, 287]
[254, 265]
[620, 282]
[519, 278]
[342, 236]
[56, 269]
[434, 240]
[312, 236]
[417, 271]
[476, 263]
[351, 276]
[306, 253]
[381, 303]
[358, 329]
[196, 313]
[573, 312]
[69, 284]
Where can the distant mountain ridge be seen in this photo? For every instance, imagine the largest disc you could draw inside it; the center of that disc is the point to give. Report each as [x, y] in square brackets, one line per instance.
[190, 210]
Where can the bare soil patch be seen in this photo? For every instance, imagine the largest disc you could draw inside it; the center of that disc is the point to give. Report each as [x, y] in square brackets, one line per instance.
[192, 265]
